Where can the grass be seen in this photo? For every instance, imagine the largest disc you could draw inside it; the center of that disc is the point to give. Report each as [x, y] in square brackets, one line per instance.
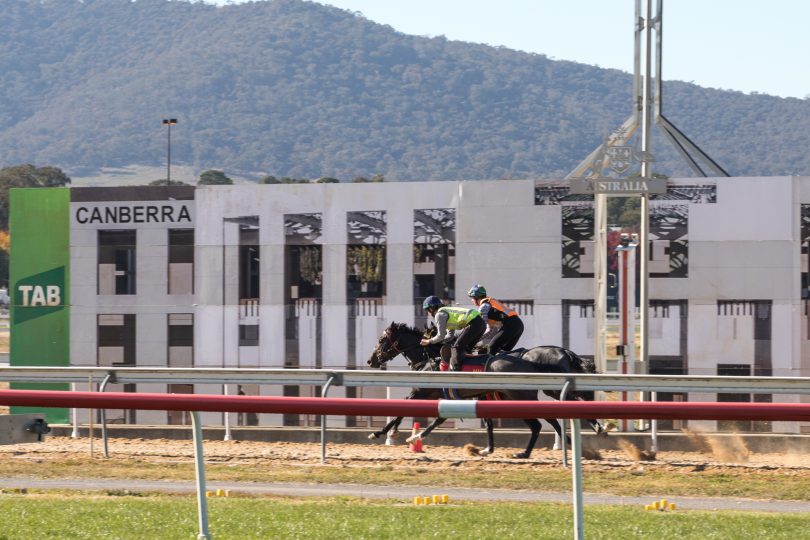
[775, 484]
[174, 517]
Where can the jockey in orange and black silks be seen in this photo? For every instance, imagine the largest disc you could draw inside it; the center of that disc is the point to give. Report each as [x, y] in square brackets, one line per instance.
[504, 326]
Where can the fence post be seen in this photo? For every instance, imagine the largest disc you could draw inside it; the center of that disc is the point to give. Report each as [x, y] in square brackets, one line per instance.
[654, 426]
[110, 378]
[199, 469]
[74, 416]
[227, 416]
[576, 449]
[333, 378]
[568, 386]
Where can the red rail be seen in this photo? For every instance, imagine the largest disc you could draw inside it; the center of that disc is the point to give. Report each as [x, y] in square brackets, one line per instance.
[402, 407]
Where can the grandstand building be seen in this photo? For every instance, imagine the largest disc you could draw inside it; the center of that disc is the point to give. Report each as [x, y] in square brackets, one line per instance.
[308, 275]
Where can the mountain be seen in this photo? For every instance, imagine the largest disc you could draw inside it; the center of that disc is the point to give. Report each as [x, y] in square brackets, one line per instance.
[294, 88]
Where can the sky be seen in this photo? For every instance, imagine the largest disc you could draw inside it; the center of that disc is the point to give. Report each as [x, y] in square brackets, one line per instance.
[739, 45]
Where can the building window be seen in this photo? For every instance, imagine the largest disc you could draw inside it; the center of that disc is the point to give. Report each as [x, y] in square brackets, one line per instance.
[181, 261]
[180, 418]
[116, 340]
[248, 262]
[248, 335]
[366, 254]
[181, 340]
[116, 262]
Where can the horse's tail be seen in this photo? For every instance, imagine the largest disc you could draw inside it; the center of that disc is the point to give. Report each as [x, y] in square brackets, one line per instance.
[579, 364]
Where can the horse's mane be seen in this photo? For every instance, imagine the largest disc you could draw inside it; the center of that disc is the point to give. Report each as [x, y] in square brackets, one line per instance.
[402, 327]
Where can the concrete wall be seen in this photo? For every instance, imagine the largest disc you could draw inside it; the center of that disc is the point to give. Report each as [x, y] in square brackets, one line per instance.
[744, 249]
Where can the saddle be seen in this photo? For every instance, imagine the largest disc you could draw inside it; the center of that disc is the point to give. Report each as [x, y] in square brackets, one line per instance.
[471, 363]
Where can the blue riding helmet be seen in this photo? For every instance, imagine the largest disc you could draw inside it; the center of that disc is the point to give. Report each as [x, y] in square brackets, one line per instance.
[432, 302]
[477, 291]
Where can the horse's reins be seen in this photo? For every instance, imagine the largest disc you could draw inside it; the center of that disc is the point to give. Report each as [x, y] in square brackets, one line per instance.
[394, 345]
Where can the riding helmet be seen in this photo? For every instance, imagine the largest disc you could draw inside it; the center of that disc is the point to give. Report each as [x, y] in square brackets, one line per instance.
[432, 302]
[477, 291]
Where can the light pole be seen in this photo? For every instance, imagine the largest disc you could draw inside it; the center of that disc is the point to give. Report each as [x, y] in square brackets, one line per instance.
[169, 122]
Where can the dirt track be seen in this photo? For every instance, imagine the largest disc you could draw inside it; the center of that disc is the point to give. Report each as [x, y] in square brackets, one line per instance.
[730, 456]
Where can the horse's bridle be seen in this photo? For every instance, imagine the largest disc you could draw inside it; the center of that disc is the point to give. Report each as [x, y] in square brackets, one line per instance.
[393, 345]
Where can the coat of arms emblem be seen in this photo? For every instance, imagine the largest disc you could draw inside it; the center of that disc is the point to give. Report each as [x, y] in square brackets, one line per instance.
[621, 157]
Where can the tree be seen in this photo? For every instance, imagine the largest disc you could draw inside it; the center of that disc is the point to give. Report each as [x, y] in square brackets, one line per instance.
[26, 176]
[213, 177]
[171, 183]
[327, 180]
[5, 244]
[288, 180]
[624, 212]
[269, 179]
[360, 180]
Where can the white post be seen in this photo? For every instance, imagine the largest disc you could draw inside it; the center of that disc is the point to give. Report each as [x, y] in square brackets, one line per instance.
[600, 279]
[389, 440]
[75, 415]
[228, 436]
[199, 469]
[576, 450]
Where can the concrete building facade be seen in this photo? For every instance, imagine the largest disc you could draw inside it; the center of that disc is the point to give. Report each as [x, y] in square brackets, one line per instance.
[308, 276]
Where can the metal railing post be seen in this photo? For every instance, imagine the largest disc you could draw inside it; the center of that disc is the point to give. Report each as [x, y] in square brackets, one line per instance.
[199, 469]
[227, 418]
[109, 378]
[568, 386]
[333, 378]
[654, 426]
[74, 434]
[576, 474]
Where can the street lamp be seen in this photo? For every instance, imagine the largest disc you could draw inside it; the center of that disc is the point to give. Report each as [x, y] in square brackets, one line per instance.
[169, 122]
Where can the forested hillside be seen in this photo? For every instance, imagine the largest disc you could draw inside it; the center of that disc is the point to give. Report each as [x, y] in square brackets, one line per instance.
[294, 88]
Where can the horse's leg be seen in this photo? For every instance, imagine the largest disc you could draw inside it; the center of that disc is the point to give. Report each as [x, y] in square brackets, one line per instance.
[597, 427]
[415, 393]
[393, 424]
[558, 431]
[534, 425]
[433, 425]
[490, 438]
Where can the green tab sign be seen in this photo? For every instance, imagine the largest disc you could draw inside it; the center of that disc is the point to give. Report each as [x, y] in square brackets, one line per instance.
[39, 286]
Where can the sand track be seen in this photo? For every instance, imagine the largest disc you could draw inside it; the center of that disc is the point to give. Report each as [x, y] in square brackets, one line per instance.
[731, 456]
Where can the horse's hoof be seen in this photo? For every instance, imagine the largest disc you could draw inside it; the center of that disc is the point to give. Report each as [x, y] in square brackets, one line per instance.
[412, 438]
[373, 436]
[485, 452]
[522, 455]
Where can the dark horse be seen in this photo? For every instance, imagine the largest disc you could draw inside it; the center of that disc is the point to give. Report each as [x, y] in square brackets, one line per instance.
[401, 339]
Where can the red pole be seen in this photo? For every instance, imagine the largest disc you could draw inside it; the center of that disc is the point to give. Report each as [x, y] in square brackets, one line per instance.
[799, 412]
[218, 403]
[624, 315]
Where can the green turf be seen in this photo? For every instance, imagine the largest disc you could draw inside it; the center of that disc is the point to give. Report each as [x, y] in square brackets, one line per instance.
[85, 516]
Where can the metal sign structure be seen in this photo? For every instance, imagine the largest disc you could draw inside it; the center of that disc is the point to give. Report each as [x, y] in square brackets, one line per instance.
[626, 187]
[616, 155]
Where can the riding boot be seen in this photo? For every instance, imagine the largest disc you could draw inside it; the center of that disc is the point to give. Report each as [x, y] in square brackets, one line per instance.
[455, 359]
[444, 353]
